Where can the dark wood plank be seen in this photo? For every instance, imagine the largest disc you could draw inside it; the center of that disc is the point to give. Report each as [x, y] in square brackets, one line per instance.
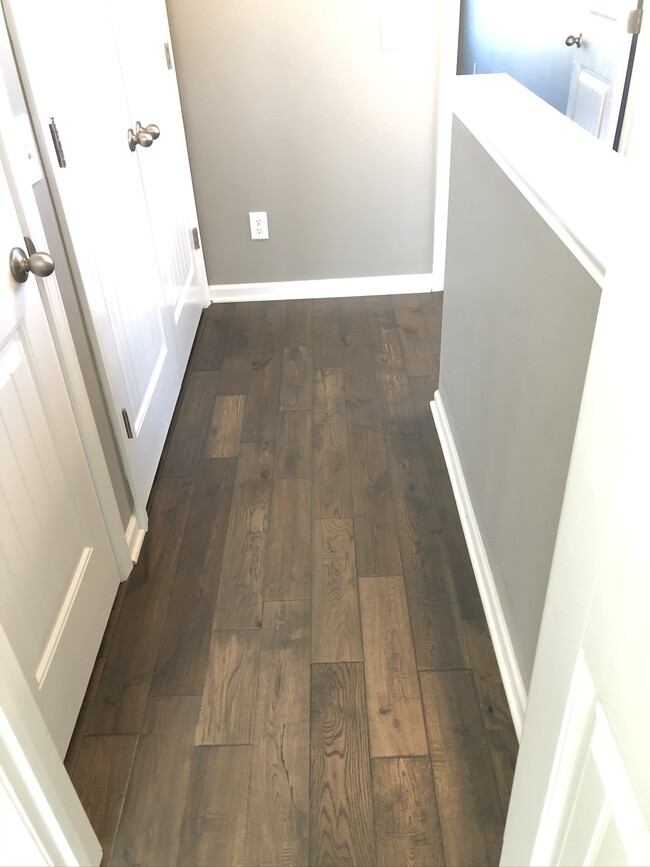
[380, 311]
[341, 814]
[327, 334]
[435, 616]
[263, 401]
[374, 515]
[336, 627]
[230, 689]
[288, 565]
[239, 604]
[278, 819]
[224, 431]
[497, 720]
[184, 447]
[76, 741]
[329, 395]
[211, 338]
[392, 382]
[214, 825]
[332, 491]
[299, 328]
[238, 359]
[183, 648]
[121, 696]
[406, 813]
[297, 385]
[101, 776]
[149, 831]
[294, 445]
[358, 362]
[470, 811]
[417, 343]
[392, 688]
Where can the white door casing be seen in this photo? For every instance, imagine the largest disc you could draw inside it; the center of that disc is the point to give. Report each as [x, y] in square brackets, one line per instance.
[141, 332]
[600, 67]
[581, 792]
[58, 572]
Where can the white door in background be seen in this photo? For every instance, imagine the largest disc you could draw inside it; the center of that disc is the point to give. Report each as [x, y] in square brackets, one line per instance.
[581, 792]
[58, 574]
[143, 287]
[144, 48]
[600, 66]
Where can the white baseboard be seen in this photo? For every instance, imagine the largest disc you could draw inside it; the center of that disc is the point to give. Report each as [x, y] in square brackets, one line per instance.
[134, 537]
[344, 287]
[505, 653]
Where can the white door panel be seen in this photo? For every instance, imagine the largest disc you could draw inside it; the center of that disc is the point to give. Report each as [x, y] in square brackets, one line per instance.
[58, 575]
[600, 67]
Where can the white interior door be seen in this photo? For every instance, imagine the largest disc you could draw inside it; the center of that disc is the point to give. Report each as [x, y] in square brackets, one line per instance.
[600, 66]
[140, 292]
[58, 574]
[581, 792]
[144, 48]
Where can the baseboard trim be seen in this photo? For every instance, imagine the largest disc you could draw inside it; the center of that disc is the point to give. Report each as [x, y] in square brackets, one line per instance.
[134, 538]
[344, 287]
[506, 658]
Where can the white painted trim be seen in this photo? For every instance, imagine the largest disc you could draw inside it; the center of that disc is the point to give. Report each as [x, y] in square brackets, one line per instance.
[341, 287]
[134, 537]
[505, 653]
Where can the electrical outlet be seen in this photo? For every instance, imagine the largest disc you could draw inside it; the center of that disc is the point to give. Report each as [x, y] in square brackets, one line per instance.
[259, 225]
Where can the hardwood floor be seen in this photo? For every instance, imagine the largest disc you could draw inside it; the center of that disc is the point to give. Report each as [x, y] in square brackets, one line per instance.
[299, 670]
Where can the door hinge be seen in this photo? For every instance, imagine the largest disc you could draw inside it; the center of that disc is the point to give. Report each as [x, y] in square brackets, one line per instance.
[197, 240]
[634, 20]
[58, 147]
[168, 56]
[127, 424]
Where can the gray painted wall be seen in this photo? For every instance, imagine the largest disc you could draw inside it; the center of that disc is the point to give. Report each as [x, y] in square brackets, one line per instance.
[293, 108]
[523, 39]
[518, 321]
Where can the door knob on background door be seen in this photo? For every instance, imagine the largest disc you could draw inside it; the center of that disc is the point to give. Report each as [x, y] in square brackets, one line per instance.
[574, 40]
[143, 135]
[21, 265]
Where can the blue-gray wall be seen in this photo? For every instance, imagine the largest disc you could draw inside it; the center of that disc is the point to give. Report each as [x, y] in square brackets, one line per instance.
[525, 40]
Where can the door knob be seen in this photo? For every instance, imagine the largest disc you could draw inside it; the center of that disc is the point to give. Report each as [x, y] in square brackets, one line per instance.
[143, 135]
[21, 265]
[574, 40]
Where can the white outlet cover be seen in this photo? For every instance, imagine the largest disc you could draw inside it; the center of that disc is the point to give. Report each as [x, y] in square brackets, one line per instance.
[259, 225]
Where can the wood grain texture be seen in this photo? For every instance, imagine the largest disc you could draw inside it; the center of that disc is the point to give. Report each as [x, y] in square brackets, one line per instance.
[327, 334]
[470, 811]
[185, 639]
[224, 431]
[329, 395]
[101, 776]
[278, 827]
[288, 565]
[406, 813]
[121, 696]
[238, 359]
[392, 688]
[214, 826]
[375, 525]
[299, 328]
[211, 338]
[294, 445]
[358, 361]
[262, 404]
[437, 634]
[335, 623]
[332, 491]
[149, 832]
[186, 439]
[416, 341]
[230, 689]
[297, 385]
[239, 604]
[341, 814]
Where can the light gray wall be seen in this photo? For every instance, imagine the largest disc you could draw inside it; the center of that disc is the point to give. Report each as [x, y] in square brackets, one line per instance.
[518, 320]
[525, 40]
[291, 107]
